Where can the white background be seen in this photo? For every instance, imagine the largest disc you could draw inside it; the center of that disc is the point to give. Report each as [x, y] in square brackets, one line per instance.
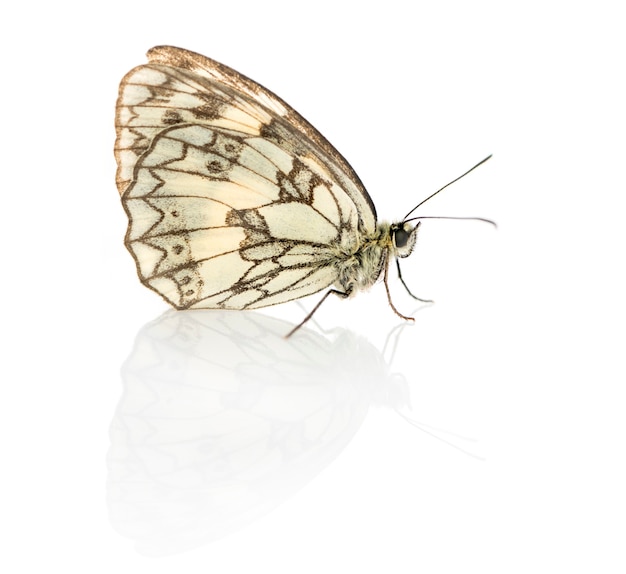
[208, 450]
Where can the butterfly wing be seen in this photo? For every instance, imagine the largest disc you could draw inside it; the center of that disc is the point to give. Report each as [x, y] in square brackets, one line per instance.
[234, 200]
[179, 86]
[219, 219]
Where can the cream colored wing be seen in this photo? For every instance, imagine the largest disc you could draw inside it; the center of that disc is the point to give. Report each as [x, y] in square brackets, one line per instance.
[181, 87]
[219, 218]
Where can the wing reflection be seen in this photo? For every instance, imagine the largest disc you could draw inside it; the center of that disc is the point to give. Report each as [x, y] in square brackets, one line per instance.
[222, 419]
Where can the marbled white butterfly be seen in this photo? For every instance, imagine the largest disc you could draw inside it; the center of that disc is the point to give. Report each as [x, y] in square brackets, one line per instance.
[234, 200]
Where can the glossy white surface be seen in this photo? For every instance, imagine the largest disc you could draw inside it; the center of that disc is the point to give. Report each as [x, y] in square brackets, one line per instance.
[134, 441]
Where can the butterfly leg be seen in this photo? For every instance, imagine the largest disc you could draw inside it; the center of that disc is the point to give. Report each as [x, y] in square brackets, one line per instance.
[386, 281]
[406, 287]
[341, 294]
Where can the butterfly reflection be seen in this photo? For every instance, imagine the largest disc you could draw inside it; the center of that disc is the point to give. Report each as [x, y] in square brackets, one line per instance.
[222, 419]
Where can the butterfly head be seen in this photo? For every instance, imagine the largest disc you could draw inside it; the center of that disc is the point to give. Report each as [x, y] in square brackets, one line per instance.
[403, 236]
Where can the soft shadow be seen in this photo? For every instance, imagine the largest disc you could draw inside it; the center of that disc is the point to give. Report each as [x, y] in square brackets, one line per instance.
[222, 419]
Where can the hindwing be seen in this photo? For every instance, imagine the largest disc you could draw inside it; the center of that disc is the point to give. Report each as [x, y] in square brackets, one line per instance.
[219, 219]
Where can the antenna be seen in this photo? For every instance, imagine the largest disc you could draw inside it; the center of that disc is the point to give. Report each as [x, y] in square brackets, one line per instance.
[448, 217]
[441, 189]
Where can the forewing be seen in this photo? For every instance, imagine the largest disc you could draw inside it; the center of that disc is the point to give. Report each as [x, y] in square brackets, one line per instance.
[181, 87]
[222, 219]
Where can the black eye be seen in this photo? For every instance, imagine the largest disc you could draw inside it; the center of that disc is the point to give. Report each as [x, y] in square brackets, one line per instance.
[400, 237]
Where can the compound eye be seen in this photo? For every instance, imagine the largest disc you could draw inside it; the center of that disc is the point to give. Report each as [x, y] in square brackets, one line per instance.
[401, 237]
[404, 236]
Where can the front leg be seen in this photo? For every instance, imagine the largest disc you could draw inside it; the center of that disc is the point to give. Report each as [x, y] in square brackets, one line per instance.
[407, 288]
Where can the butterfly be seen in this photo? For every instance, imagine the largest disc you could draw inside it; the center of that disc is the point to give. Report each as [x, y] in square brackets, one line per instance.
[234, 200]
